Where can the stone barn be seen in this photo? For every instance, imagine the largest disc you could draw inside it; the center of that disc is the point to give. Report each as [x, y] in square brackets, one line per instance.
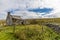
[14, 20]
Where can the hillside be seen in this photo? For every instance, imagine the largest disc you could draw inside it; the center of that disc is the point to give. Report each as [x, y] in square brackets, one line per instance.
[43, 20]
[34, 31]
[28, 32]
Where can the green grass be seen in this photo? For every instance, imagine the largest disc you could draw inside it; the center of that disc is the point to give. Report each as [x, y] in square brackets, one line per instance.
[28, 32]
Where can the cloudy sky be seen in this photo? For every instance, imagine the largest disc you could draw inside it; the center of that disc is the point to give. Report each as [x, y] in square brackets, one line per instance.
[30, 8]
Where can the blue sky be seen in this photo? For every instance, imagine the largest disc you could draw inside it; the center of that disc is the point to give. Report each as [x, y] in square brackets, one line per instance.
[31, 8]
[41, 10]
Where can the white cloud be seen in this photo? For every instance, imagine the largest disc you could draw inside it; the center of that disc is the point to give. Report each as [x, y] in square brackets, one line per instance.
[6, 5]
[27, 15]
[3, 15]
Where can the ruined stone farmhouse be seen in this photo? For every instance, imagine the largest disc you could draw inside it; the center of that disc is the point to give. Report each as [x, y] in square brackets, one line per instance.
[14, 20]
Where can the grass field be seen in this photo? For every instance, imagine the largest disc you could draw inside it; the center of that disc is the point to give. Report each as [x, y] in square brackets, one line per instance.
[30, 32]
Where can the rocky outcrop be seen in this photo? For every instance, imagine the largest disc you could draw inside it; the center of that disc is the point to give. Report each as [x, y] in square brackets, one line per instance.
[55, 27]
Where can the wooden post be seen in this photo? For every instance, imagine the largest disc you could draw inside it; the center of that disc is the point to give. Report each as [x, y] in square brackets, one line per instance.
[13, 29]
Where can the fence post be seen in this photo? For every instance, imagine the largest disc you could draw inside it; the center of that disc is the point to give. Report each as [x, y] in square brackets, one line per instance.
[13, 28]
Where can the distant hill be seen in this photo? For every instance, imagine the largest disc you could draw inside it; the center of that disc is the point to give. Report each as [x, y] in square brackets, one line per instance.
[38, 21]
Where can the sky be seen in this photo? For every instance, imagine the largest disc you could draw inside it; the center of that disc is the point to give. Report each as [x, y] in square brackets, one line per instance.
[30, 8]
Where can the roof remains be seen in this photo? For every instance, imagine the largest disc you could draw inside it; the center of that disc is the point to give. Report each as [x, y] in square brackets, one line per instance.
[16, 17]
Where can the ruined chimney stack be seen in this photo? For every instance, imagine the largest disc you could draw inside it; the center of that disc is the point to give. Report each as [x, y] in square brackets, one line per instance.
[8, 13]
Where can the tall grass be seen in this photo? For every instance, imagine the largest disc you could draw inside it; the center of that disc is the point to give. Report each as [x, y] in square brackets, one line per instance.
[36, 32]
[28, 32]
